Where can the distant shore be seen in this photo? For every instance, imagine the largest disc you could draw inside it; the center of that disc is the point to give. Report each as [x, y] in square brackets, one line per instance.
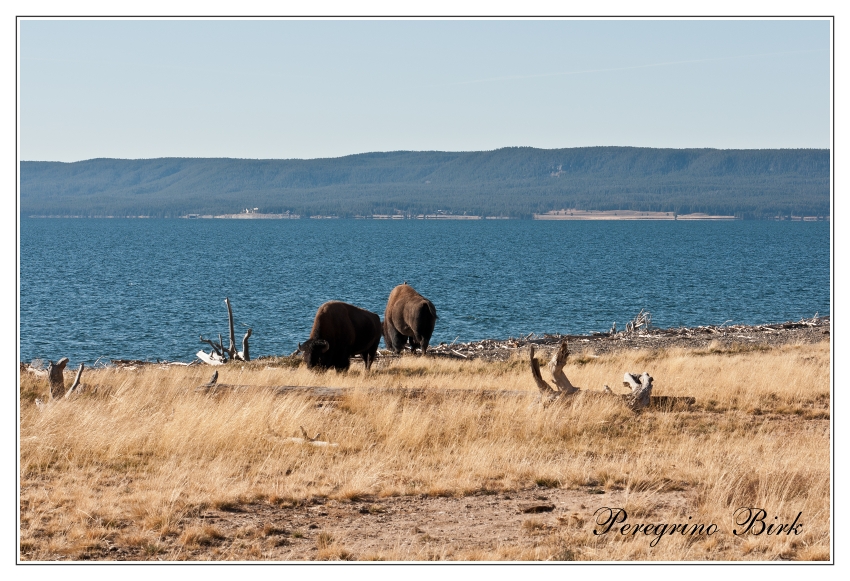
[625, 215]
[594, 215]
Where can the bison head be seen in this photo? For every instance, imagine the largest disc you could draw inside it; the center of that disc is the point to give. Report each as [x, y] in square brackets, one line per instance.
[312, 351]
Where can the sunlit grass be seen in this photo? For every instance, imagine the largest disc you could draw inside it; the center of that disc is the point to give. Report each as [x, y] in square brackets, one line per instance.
[130, 459]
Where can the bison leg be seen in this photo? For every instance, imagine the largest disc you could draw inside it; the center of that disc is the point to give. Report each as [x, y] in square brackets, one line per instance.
[414, 344]
[422, 343]
[370, 354]
[395, 341]
[368, 358]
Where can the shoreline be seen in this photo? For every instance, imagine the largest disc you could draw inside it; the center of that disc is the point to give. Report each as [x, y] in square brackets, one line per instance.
[586, 216]
[717, 337]
[723, 337]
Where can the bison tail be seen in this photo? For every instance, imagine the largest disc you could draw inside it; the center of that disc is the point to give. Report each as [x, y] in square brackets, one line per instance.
[432, 309]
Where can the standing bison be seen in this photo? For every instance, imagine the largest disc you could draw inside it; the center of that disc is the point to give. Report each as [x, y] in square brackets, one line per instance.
[340, 331]
[409, 316]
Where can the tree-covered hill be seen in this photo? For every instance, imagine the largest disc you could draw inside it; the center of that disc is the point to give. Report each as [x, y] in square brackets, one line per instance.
[516, 181]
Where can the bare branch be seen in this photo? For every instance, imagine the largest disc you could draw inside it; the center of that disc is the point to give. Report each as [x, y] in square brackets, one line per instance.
[244, 355]
[216, 350]
[231, 351]
[545, 389]
[76, 383]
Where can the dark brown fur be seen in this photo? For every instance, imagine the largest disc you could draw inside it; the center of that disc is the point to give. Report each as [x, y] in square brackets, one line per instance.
[409, 317]
[339, 332]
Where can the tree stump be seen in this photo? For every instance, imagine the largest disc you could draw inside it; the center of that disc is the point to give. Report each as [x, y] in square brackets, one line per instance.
[641, 386]
[56, 378]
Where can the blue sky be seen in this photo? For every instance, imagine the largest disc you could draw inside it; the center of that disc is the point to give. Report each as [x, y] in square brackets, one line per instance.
[307, 89]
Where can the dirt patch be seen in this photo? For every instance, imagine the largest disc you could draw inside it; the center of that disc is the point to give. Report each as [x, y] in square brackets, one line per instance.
[486, 525]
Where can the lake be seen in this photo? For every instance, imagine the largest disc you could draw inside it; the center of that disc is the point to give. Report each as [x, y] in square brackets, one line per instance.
[146, 289]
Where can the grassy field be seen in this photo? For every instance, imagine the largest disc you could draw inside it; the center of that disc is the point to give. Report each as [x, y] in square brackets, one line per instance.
[130, 468]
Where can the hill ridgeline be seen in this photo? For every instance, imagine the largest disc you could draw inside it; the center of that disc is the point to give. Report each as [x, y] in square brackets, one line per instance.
[512, 182]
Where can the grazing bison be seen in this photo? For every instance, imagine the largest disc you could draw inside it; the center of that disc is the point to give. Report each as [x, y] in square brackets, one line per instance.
[340, 331]
[409, 317]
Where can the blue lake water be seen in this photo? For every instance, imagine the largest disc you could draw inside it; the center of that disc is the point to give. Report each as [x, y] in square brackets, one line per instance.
[146, 289]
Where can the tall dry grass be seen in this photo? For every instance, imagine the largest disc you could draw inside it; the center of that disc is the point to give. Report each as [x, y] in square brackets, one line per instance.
[126, 462]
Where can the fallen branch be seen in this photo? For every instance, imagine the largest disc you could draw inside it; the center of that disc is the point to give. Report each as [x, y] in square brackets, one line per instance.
[641, 387]
[216, 350]
[243, 355]
[76, 383]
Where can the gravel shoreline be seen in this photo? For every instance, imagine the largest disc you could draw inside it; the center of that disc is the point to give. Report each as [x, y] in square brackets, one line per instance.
[812, 330]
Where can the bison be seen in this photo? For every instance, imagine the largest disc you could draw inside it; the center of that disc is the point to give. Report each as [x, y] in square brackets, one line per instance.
[340, 331]
[409, 317]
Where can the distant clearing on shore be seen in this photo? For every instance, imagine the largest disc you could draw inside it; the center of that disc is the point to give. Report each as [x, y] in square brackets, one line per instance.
[624, 215]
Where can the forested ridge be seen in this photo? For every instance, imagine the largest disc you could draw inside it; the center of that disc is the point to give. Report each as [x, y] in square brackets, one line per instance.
[515, 181]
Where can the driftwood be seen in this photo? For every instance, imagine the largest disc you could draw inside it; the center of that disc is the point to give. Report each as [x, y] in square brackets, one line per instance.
[244, 355]
[219, 355]
[76, 383]
[639, 398]
[641, 390]
[641, 386]
[56, 378]
[556, 368]
[332, 394]
[643, 320]
[337, 393]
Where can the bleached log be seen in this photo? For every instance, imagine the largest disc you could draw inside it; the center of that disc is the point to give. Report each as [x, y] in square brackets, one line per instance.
[56, 377]
[210, 358]
[556, 367]
[545, 389]
[76, 383]
[641, 390]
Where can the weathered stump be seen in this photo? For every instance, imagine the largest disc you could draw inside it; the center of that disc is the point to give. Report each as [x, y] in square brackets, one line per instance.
[641, 386]
[56, 378]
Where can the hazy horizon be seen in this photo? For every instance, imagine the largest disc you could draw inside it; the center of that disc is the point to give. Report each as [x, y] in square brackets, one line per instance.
[415, 151]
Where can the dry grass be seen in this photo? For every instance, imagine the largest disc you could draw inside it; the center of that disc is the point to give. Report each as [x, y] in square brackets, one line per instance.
[125, 470]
